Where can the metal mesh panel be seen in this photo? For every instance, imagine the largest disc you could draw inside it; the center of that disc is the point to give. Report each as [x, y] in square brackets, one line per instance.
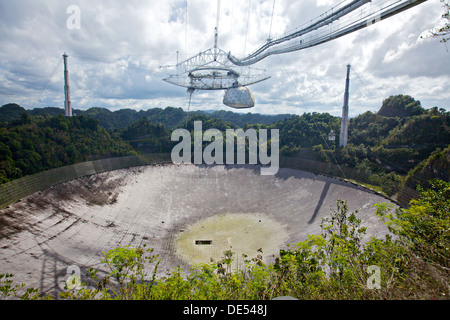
[403, 197]
[18, 189]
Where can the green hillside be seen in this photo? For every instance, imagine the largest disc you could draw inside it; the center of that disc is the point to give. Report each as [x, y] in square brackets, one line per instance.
[34, 144]
[146, 137]
[169, 117]
[384, 147]
[400, 106]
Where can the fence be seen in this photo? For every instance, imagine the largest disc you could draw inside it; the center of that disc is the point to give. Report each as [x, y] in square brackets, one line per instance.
[403, 197]
[18, 189]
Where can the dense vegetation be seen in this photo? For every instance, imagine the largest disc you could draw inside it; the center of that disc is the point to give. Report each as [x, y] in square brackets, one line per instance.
[146, 137]
[400, 106]
[169, 117]
[410, 263]
[33, 144]
[385, 148]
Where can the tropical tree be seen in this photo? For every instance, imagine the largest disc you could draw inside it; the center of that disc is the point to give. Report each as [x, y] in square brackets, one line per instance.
[442, 31]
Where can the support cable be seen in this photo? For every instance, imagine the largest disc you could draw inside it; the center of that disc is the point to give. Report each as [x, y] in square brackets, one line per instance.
[314, 122]
[383, 13]
[246, 29]
[186, 29]
[191, 91]
[271, 21]
[57, 68]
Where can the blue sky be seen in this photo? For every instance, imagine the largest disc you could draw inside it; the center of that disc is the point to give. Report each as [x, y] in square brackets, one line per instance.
[116, 54]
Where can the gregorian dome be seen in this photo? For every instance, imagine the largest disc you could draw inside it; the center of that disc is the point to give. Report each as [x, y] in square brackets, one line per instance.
[239, 98]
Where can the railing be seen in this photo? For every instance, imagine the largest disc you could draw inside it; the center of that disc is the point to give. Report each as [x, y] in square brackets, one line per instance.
[15, 190]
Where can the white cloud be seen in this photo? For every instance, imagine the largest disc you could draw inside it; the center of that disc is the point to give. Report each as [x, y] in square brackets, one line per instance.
[116, 54]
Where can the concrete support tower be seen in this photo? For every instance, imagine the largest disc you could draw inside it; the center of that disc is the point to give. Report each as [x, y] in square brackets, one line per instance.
[344, 122]
[67, 103]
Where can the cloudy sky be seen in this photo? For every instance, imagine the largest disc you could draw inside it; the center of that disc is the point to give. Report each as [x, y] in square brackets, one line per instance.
[117, 48]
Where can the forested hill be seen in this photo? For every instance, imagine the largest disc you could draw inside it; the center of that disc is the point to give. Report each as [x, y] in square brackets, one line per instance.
[400, 106]
[169, 117]
[401, 144]
[33, 144]
[385, 146]
[241, 119]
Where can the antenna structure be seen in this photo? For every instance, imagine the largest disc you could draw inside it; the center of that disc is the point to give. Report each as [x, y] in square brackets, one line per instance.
[212, 70]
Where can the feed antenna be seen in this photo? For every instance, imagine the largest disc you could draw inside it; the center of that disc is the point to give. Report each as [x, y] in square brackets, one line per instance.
[212, 70]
